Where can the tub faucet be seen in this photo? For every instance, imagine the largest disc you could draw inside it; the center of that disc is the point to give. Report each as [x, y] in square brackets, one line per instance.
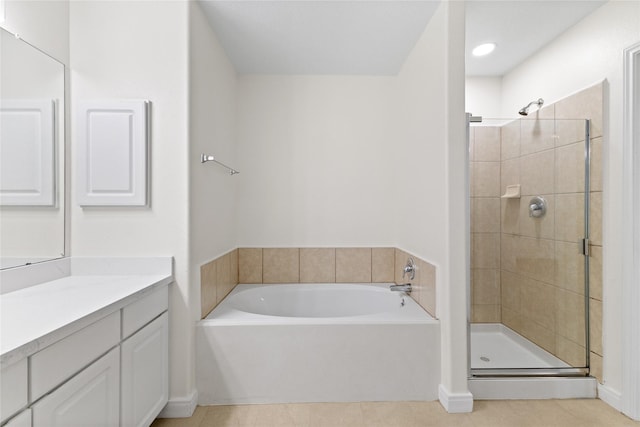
[405, 287]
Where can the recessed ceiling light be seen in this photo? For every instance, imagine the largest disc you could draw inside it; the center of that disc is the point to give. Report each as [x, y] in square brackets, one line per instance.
[483, 49]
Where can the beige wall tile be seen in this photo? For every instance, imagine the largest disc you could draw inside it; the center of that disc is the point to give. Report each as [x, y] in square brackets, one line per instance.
[569, 168]
[539, 334]
[540, 228]
[234, 266]
[485, 313]
[510, 291]
[487, 144]
[596, 165]
[570, 316]
[208, 274]
[401, 258]
[510, 140]
[510, 215]
[595, 219]
[569, 267]
[353, 265]
[586, 104]
[569, 217]
[537, 173]
[317, 265]
[595, 368]
[485, 252]
[281, 265]
[595, 326]
[428, 298]
[223, 277]
[382, 265]
[486, 286]
[537, 131]
[250, 265]
[535, 258]
[485, 181]
[485, 215]
[572, 353]
[538, 303]
[512, 319]
[508, 247]
[595, 273]
[509, 173]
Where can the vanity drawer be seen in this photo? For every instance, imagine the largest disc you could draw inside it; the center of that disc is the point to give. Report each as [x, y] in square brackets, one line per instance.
[60, 361]
[13, 389]
[141, 312]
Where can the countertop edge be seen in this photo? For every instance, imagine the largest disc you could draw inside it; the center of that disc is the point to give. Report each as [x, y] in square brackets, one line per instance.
[17, 354]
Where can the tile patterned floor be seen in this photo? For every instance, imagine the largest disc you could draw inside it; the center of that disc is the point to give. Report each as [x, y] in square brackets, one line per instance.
[497, 413]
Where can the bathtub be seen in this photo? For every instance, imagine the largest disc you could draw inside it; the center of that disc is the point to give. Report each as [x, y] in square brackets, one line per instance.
[316, 343]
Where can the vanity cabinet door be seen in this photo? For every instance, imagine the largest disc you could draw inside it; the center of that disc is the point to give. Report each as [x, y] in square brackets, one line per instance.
[145, 373]
[91, 398]
[21, 420]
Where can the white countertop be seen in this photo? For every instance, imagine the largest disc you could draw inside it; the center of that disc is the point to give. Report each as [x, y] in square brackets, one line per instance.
[36, 316]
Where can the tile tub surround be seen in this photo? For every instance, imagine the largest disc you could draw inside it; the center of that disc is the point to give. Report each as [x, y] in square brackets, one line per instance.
[529, 274]
[314, 265]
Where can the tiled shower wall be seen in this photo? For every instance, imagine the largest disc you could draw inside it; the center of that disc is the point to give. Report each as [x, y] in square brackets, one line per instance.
[314, 265]
[539, 290]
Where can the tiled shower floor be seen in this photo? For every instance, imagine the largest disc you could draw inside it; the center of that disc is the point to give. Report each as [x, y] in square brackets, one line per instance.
[494, 345]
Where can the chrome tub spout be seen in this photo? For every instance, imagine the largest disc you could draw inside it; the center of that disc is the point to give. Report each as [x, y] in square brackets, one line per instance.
[405, 287]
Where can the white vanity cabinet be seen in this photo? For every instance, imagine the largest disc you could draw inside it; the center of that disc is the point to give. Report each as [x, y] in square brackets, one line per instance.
[21, 420]
[110, 369]
[90, 398]
[145, 373]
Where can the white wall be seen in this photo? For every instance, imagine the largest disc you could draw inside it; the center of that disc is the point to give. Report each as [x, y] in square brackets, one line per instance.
[590, 52]
[483, 97]
[139, 50]
[431, 181]
[212, 130]
[33, 232]
[44, 24]
[315, 155]
[366, 161]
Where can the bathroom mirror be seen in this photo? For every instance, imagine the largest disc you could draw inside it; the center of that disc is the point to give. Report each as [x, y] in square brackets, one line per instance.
[32, 106]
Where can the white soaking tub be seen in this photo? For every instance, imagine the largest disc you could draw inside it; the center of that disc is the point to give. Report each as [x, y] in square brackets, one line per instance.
[317, 343]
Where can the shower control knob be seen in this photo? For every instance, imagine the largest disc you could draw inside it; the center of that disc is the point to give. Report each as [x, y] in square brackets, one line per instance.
[537, 207]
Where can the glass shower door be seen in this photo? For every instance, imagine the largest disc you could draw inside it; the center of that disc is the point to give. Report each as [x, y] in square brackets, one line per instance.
[529, 203]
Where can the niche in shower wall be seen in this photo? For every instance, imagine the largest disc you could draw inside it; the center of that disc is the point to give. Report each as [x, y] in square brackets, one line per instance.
[527, 273]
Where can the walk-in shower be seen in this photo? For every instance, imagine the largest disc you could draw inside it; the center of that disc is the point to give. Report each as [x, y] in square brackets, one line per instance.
[530, 240]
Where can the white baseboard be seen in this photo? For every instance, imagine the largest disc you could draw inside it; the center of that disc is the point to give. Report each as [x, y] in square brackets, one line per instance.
[610, 396]
[180, 407]
[455, 403]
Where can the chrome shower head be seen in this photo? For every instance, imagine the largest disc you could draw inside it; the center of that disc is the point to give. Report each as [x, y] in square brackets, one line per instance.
[525, 110]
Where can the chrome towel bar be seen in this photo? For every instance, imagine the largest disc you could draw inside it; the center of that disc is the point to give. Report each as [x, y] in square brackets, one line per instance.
[207, 158]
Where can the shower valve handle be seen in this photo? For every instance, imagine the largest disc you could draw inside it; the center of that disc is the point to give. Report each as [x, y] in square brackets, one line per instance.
[409, 268]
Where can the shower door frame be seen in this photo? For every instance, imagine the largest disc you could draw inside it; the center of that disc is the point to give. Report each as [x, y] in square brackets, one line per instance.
[533, 372]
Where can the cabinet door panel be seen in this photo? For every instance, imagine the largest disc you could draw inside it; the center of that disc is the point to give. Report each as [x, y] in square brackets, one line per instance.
[91, 398]
[21, 420]
[13, 389]
[145, 373]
